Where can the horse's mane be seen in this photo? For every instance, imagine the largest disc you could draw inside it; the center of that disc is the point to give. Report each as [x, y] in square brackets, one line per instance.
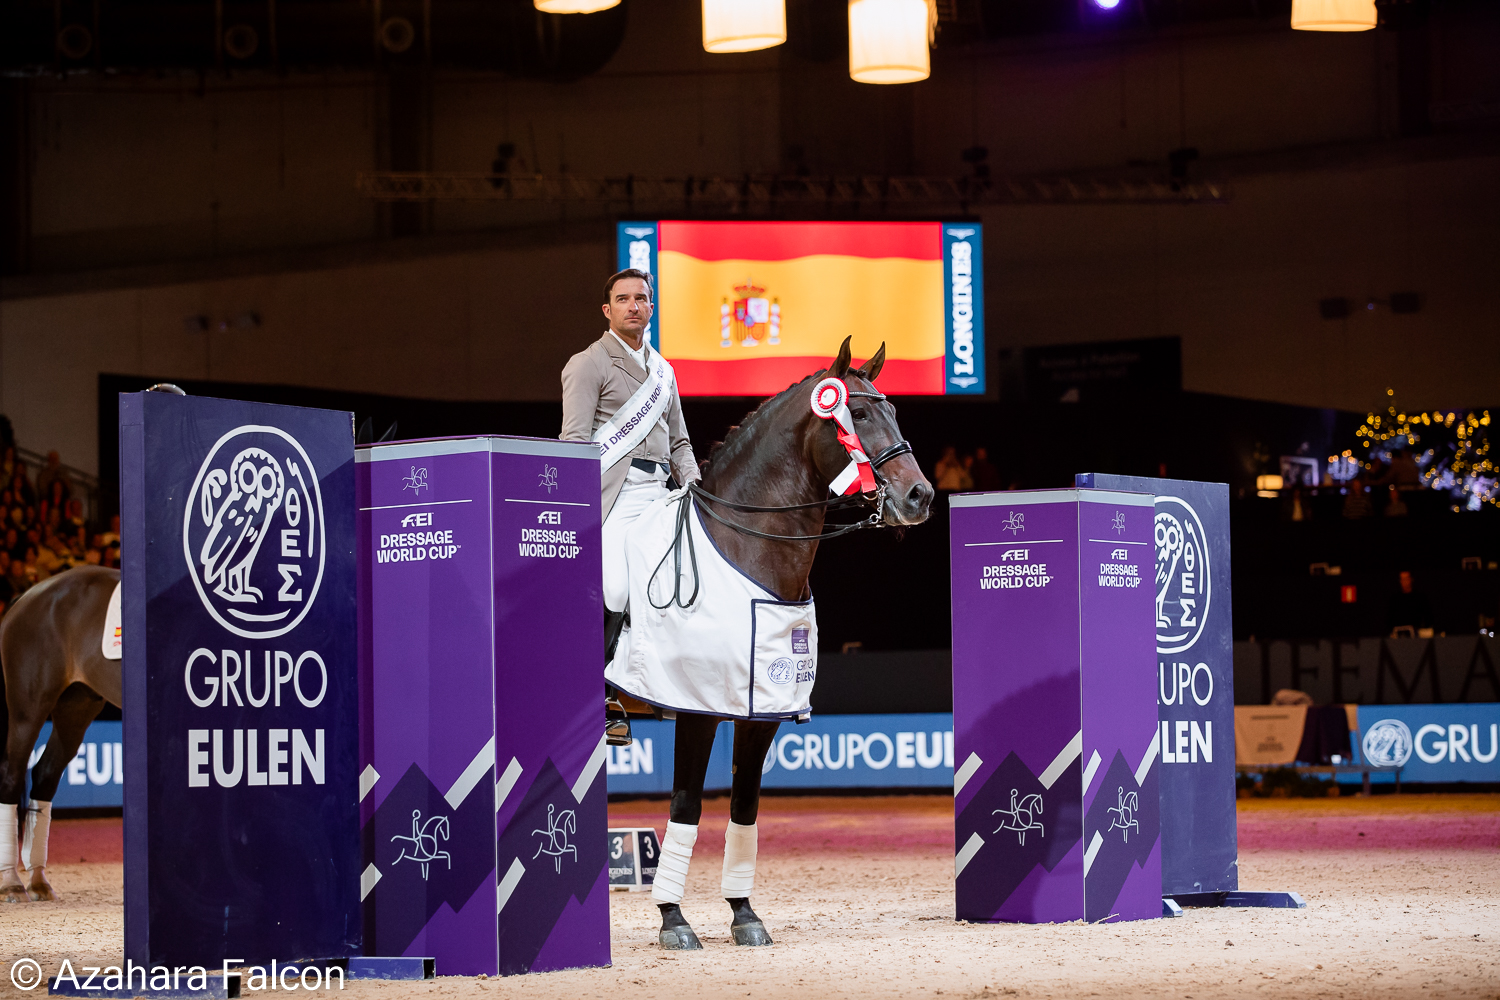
[735, 440]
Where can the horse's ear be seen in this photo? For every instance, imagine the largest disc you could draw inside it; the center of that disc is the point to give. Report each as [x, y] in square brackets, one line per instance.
[840, 366]
[873, 366]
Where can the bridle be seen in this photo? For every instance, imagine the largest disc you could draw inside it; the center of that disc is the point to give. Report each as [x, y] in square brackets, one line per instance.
[876, 499]
[697, 493]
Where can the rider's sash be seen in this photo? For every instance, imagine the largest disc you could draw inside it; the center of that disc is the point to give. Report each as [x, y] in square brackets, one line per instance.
[619, 435]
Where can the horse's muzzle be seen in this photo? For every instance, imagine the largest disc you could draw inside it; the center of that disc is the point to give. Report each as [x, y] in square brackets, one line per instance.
[909, 507]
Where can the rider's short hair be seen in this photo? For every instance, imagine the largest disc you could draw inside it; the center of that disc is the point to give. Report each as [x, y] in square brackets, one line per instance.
[629, 272]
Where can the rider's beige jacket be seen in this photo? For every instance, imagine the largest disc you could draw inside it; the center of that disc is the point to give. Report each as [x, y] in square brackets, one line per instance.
[596, 382]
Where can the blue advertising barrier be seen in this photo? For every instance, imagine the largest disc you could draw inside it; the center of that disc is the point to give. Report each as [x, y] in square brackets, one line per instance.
[240, 687]
[1430, 743]
[1195, 680]
[830, 751]
[95, 777]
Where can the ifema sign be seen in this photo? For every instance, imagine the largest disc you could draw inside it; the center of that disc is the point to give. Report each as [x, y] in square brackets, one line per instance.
[240, 689]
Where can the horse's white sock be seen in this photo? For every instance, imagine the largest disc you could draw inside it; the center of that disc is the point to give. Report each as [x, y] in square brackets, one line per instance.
[38, 826]
[7, 840]
[739, 860]
[672, 866]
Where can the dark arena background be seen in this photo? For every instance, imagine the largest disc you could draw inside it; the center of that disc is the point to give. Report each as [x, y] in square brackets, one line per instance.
[1240, 242]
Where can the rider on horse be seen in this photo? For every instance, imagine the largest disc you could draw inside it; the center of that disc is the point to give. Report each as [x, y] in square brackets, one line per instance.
[622, 394]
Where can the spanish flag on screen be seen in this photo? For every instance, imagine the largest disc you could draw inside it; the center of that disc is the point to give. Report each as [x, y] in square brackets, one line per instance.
[747, 308]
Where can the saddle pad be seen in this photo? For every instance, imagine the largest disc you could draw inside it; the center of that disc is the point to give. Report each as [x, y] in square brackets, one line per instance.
[111, 638]
[737, 650]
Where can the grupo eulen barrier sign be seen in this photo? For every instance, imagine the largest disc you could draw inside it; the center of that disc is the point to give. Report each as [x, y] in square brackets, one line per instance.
[241, 707]
[95, 777]
[830, 751]
[1194, 679]
[1431, 743]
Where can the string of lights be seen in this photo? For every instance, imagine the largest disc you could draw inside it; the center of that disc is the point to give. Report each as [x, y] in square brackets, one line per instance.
[1452, 450]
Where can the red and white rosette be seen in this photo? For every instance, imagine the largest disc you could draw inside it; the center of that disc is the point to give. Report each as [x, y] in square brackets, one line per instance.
[829, 397]
[830, 401]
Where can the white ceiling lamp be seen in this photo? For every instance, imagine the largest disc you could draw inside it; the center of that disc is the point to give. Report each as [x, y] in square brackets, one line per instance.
[1333, 15]
[743, 25]
[574, 6]
[889, 40]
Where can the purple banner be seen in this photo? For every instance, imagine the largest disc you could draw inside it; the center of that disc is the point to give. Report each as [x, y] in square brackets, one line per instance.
[1053, 700]
[480, 643]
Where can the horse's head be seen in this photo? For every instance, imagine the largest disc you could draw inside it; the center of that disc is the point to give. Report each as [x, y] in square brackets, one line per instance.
[908, 493]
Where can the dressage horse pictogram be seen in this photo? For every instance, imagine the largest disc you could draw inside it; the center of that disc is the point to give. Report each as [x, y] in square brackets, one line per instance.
[1123, 815]
[548, 477]
[424, 841]
[559, 829]
[417, 481]
[1015, 522]
[1021, 816]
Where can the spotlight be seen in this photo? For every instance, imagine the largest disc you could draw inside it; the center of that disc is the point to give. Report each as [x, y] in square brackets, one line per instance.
[1107, 4]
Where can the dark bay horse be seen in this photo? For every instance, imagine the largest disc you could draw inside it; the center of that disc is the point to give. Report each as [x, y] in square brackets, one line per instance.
[53, 664]
[783, 456]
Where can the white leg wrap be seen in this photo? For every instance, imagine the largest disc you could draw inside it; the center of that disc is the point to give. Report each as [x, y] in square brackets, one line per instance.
[672, 866]
[739, 860]
[8, 859]
[38, 826]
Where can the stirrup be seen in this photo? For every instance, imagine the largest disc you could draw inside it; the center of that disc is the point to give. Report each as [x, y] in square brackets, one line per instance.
[616, 731]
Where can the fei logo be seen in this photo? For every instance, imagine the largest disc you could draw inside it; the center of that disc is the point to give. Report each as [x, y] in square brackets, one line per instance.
[1183, 582]
[1388, 743]
[252, 532]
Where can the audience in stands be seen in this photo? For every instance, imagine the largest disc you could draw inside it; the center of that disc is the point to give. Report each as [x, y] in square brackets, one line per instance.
[986, 476]
[1410, 610]
[1356, 500]
[43, 529]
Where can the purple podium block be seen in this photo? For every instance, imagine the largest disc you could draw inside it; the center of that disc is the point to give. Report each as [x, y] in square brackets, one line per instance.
[482, 794]
[1054, 706]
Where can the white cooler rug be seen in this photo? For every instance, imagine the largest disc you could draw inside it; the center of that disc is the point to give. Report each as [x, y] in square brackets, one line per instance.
[737, 650]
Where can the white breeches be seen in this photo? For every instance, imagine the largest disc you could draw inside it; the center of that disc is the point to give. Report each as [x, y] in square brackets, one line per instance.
[634, 498]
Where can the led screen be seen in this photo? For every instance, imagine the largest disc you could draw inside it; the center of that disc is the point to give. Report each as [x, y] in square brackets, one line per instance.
[747, 308]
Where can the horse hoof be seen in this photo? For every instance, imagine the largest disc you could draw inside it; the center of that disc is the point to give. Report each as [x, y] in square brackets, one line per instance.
[675, 933]
[14, 894]
[752, 934]
[41, 891]
[746, 927]
[679, 939]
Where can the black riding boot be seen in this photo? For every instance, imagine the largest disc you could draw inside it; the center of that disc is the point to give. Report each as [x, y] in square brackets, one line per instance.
[675, 934]
[616, 726]
[746, 927]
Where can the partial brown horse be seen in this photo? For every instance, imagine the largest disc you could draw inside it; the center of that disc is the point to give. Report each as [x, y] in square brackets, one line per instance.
[53, 665]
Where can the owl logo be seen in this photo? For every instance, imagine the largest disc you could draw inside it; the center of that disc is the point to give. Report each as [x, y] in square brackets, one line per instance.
[1184, 585]
[253, 533]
